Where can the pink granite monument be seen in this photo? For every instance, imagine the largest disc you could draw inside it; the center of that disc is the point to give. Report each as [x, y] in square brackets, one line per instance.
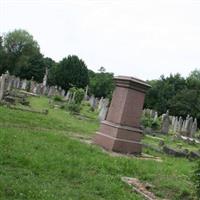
[121, 132]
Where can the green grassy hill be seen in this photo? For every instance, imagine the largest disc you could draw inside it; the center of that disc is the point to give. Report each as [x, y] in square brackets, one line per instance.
[40, 159]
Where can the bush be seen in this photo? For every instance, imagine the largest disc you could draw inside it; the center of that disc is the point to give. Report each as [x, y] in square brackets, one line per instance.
[196, 179]
[79, 96]
[57, 98]
[147, 121]
[73, 108]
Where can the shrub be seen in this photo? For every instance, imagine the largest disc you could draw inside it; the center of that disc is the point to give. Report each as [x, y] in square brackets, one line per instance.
[147, 121]
[79, 96]
[57, 98]
[73, 108]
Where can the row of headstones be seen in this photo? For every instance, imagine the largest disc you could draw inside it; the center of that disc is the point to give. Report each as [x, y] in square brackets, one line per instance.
[150, 113]
[186, 127]
[8, 82]
[101, 105]
[178, 125]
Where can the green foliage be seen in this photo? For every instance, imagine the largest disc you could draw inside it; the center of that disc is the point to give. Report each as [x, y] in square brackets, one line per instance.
[79, 96]
[73, 107]
[196, 178]
[71, 72]
[174, 93]
[148, 121]
[45, 163]
[162, 91]
[57, 98]
[101, 84]
[23, 55]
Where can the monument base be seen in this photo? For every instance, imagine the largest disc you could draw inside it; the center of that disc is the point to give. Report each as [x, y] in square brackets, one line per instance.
[118, 138]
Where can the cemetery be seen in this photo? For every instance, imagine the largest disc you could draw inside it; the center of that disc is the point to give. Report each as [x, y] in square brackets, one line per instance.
[69, 145]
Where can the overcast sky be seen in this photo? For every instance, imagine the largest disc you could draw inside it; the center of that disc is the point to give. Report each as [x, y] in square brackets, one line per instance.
[141, 38]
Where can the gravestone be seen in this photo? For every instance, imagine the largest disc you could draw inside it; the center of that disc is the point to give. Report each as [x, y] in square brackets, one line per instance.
[189, 126]
[193, 128]
[67, 95]
[155, 117]
[121, 130]
[24, 84]
[86, 92]
[101, 103]
[92, 101]
[44, 83]
[62, 93]
[104, 109]
[183, 130]
[175, 126]
[173, 120]
[165, 123]
[180, 123]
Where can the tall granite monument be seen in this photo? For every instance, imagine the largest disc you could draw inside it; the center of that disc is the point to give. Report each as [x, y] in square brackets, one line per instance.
[121, 132]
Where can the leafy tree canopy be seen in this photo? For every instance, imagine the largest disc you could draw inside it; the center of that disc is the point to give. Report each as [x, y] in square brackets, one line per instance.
[101, 83]
[72, 72]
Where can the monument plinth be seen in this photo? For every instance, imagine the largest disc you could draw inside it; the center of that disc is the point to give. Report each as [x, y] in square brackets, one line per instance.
[121, 132]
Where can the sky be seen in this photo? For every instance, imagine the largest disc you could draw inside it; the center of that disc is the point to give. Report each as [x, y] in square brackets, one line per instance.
[140, 38]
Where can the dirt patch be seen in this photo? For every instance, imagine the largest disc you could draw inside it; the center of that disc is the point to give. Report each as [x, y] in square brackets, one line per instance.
[140, 188]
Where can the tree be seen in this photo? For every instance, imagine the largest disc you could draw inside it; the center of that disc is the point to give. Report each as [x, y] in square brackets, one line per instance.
[162, 91]
[2, 57]
[72, 72]
[22, 54]
[101, 84]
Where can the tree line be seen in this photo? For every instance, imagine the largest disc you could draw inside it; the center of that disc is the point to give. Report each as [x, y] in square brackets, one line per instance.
[179, 95]
[20, 55]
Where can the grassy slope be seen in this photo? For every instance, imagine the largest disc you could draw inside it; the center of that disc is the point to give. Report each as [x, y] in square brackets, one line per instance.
[38, 160]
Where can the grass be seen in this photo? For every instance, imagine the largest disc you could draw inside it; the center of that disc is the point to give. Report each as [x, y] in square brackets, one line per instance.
[169, 141]
[39, 160]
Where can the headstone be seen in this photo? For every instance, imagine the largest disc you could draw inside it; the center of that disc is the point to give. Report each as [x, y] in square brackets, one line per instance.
[2, 86]
[173, 120]
[121, 130]
[92, 101]
[183, 129]
[180, 123]
[44, 83]
[67, 97]
[165, 123]
[24, 84]
[189, 126]
[175, 126]
[194, 128]
[100, 103]
[86, 92]
[63, 93]
[104, 110]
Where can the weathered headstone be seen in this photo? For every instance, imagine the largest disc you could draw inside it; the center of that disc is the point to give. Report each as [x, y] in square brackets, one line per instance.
[180, 123]
[44, 83]
[189, 126]
[165, 123]
[121, 131]
[193, 128]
